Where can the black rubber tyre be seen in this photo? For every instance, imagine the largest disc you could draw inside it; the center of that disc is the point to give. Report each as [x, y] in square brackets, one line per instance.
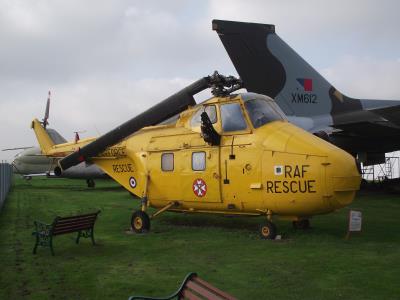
[301, 224]
[90, 183]
[267, 230]
[140, 222]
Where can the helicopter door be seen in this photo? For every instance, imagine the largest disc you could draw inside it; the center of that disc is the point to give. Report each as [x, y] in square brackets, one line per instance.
[200, 174]
[240, 160]
[164, 175]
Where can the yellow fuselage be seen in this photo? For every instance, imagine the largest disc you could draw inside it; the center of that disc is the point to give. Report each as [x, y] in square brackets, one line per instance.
[276, 168]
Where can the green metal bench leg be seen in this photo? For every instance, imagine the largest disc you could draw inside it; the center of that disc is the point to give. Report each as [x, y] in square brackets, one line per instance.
[92, 236]
[78, 237]
[86, 234]
[36, 244]
[51, 246]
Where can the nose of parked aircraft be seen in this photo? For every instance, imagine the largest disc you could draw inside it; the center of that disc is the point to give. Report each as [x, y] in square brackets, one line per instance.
[342, 178]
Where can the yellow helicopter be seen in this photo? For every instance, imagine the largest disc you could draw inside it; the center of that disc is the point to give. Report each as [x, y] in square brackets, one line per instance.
[234, 154]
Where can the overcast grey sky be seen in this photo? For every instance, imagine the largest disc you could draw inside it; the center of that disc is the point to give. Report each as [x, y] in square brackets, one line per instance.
[107, 61]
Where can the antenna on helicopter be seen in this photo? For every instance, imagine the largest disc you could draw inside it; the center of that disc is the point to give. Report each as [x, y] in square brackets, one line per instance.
[46, 113]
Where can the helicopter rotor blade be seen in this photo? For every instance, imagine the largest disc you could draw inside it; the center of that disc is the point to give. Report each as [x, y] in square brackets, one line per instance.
[17, 148]
[172, 105]
[177, 103]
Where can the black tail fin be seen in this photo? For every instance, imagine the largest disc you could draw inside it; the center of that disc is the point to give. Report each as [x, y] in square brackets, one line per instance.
[267, 65]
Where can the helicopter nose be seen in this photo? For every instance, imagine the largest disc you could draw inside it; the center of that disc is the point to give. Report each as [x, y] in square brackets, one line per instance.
[342, 178]
[337, 169]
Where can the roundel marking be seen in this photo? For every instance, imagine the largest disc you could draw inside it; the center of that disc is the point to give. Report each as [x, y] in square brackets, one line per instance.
[199, 187]
[132, 182]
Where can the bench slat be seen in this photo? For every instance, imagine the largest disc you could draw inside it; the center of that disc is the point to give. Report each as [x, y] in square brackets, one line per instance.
[72, 217]
[187, 294]
[91, 218]
[220, 293]
[76, 223]
[194, 288]
[70, 229]
[73, 227]
[202, 290]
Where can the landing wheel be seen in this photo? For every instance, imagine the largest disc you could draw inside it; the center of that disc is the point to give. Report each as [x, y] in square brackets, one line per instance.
[301, 224]
[140, 222]
[90, 183]
[268, 230]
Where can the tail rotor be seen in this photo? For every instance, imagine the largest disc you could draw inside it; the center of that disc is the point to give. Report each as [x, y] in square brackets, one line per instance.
[46, 113]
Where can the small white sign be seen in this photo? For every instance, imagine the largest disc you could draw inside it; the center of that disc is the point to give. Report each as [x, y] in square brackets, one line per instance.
[278, 170]
[355, 220]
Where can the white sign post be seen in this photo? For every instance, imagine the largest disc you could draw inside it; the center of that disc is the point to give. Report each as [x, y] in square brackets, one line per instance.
[355, 222]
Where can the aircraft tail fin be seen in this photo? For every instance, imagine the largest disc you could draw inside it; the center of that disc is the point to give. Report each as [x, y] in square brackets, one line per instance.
[45, 141]
[269, 66]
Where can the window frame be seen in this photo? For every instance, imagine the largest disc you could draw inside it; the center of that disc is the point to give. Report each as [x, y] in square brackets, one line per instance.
[173, 161]
[247, 129]
[205, 161]
[280, 114]
[202, 109]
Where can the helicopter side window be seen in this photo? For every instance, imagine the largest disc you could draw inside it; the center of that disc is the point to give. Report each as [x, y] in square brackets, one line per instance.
[232, 117]
[198, 161]
[167, 162]
[211, 112]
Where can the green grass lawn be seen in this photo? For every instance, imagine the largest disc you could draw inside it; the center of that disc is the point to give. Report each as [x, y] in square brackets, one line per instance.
[314, 264]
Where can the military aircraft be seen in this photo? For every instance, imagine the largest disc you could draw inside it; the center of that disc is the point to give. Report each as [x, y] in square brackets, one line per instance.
[234, 154]
[31, 162]
[267, 65]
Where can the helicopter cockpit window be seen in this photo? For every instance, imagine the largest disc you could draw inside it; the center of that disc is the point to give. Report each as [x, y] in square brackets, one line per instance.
[211, 112]
[232, 117]
[198, 161]
[167, 162]
[262, 111]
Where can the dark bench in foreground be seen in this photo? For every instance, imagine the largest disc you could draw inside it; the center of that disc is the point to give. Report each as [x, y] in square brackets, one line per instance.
[82, 224]
[192, 288]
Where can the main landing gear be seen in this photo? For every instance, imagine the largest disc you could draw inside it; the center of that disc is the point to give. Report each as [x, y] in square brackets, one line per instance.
[90, 183]
[140, 222]
[267, 230]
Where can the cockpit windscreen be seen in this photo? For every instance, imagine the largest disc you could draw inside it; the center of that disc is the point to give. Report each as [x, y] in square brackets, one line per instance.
[262, 110]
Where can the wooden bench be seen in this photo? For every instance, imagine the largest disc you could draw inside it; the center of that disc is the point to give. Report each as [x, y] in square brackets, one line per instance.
[83, 224]
[193, 288]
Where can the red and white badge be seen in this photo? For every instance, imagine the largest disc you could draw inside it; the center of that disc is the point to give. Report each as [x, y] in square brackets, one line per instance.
[199, 187]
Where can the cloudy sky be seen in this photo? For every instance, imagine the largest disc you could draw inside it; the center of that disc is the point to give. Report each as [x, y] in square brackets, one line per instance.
[107, 61]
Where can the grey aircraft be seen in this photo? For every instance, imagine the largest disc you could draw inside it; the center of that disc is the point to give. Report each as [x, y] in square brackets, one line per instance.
[267, 65]
[31, 163]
